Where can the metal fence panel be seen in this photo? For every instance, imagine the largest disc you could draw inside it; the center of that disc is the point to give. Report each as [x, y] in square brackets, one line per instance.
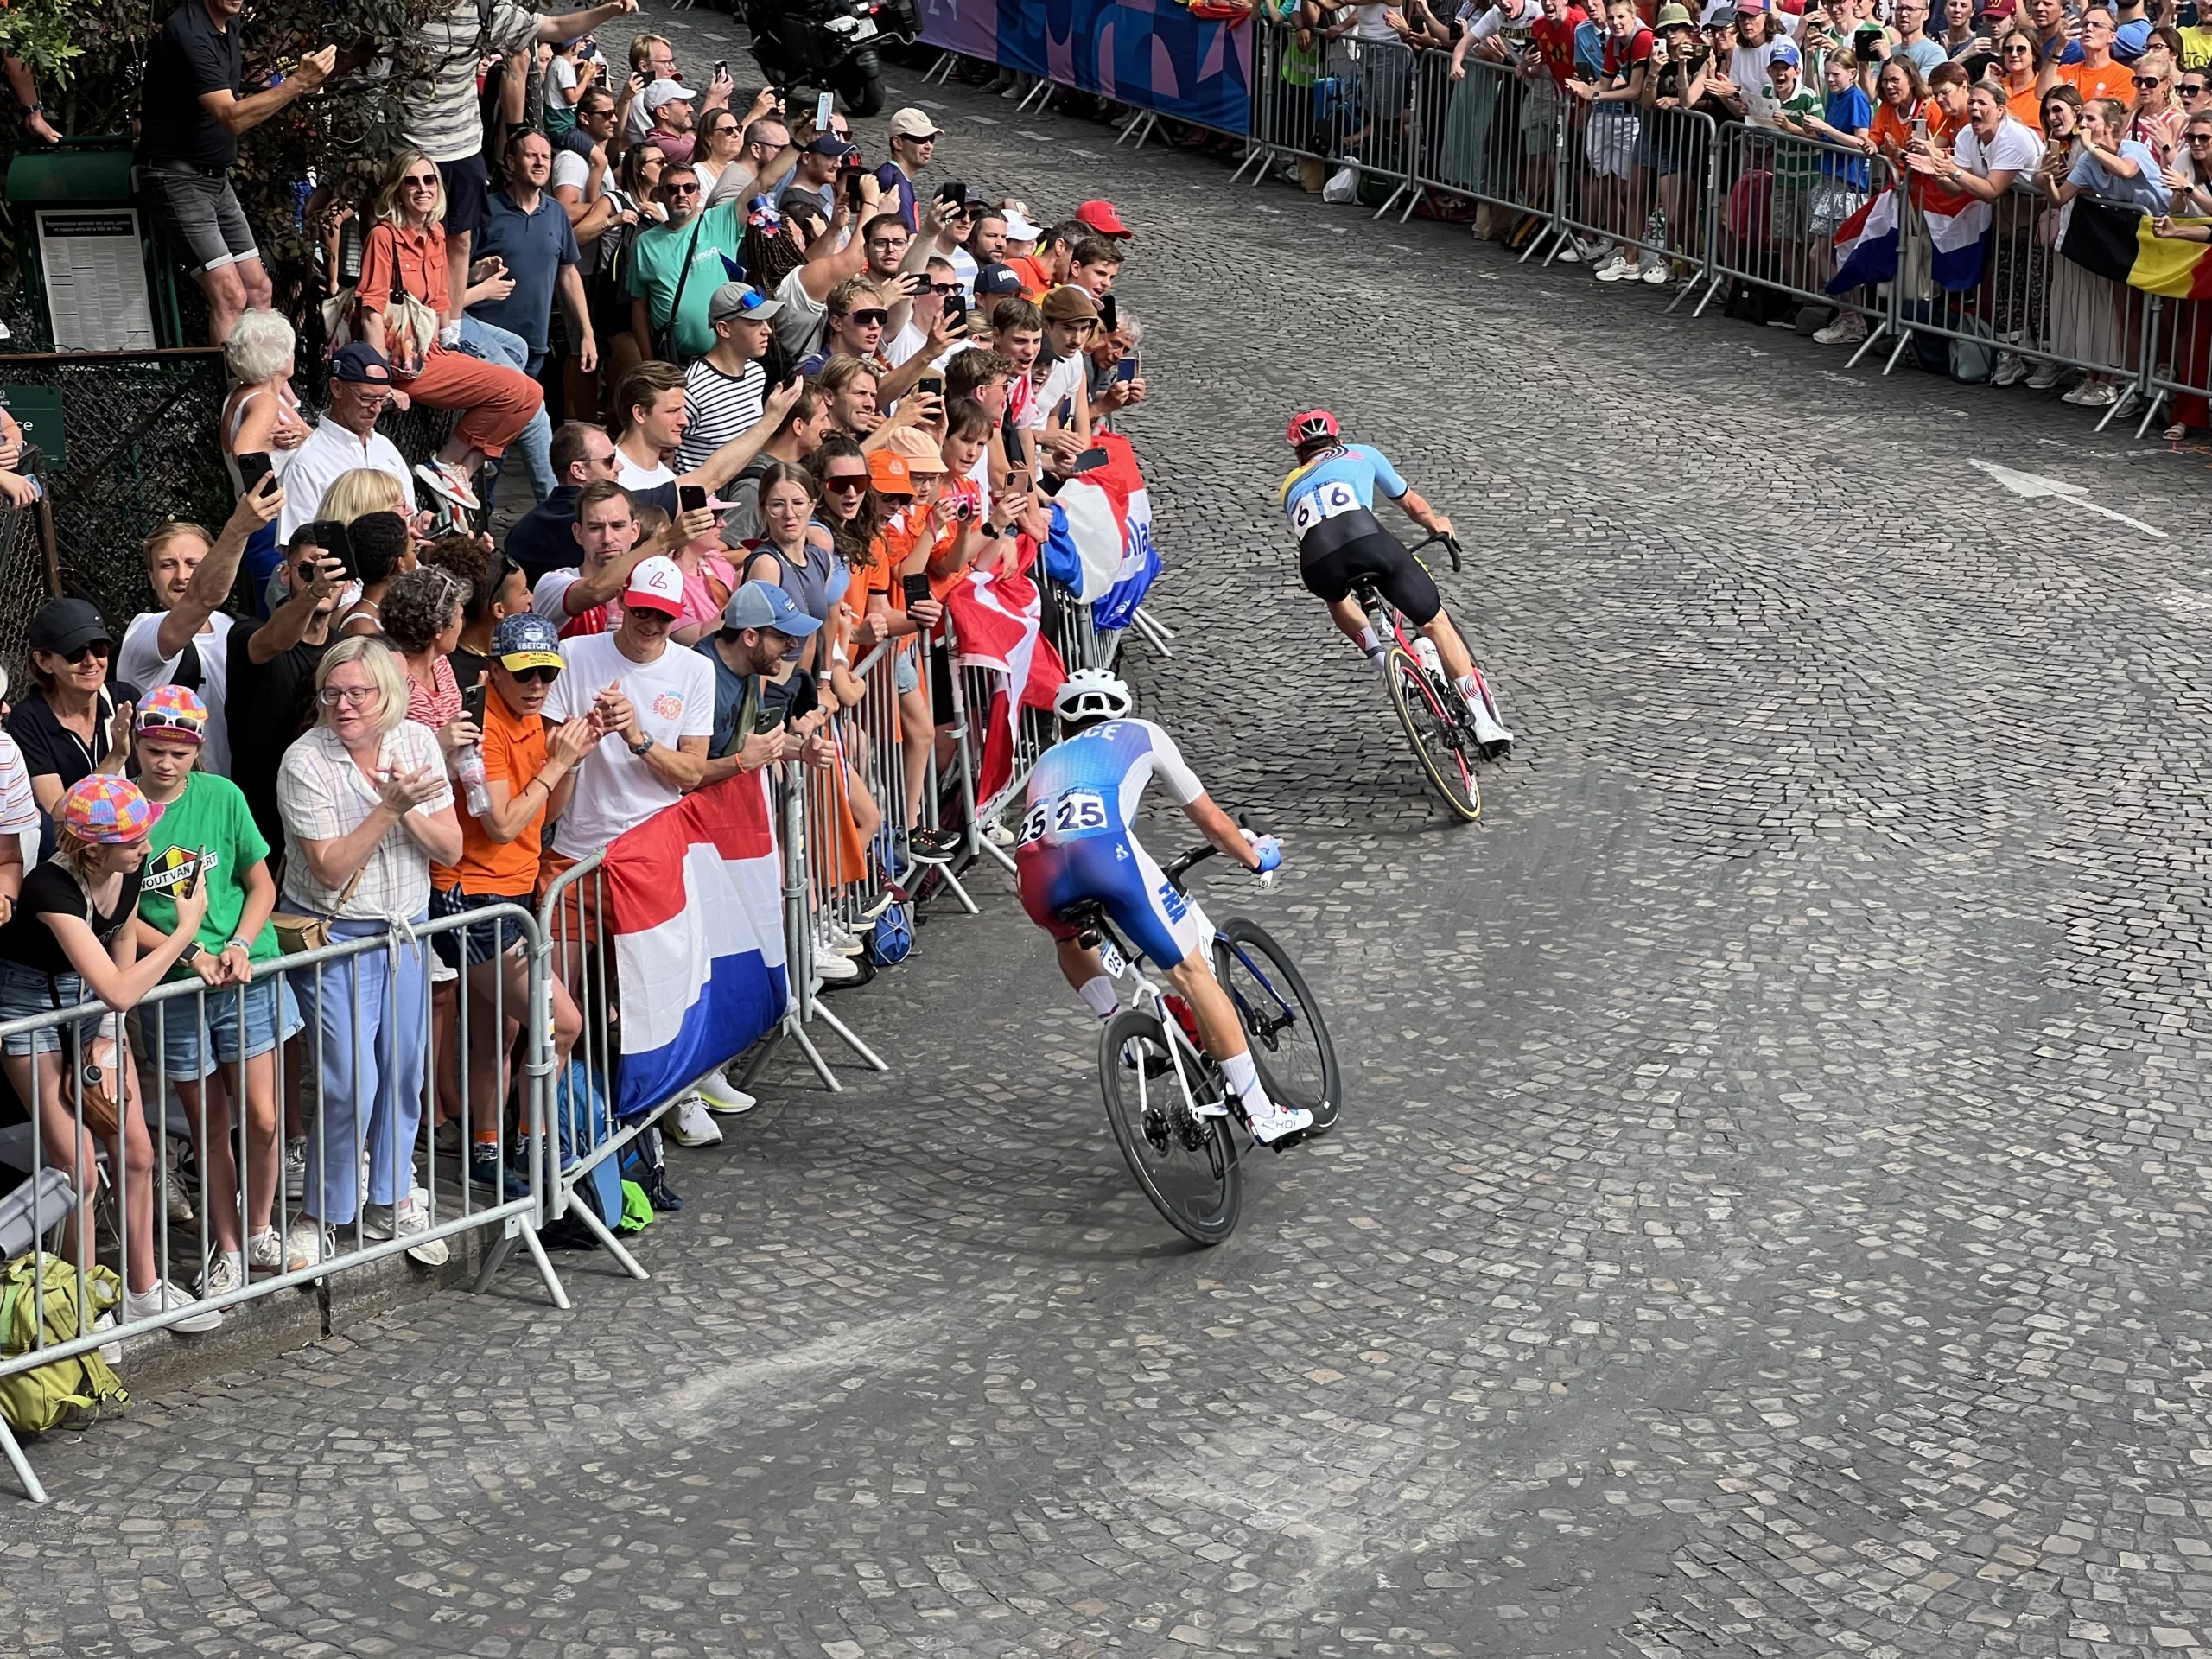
[1494, 139]
[1631, 178]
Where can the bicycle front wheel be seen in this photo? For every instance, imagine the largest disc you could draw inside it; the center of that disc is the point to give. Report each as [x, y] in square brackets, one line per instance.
[1433, 730]
[1281, 1020]
[1186, 1165]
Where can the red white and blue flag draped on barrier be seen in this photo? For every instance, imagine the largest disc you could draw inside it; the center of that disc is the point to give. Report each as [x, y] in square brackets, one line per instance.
[998, 621]
[1109, 520]
[697, 896]
[1157, 55]
[1866, 245]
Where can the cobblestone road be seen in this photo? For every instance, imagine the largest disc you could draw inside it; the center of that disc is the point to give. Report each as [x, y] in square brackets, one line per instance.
[1770, 1213]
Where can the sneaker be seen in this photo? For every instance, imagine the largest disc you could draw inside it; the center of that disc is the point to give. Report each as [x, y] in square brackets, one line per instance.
[225, 1273]
[412, 1215]
[842, 942]
[308, 1243]
[264, 1251]
[2128, 402]
[835, 970]
[2008, 371]
[449, 484]
[179, 1203]
[1592, 252]
[2044, 377]
[691, 1125]
[2077, 392]
[1568, 254]
[447, 1139]
[999, 836]
[110, 1352]
[1616, 268]
[1491, 738]
[296, 1168]
[2098, 397]
[1651, 269]
[1279, 1126]
[1846, 330]
[485, 1168]
[163, 1298]
[723, 1098]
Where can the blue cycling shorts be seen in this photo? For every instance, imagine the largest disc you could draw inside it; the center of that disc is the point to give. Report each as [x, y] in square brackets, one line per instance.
[1163, 925]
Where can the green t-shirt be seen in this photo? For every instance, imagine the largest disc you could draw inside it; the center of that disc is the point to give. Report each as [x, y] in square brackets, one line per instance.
[210, 816]
[1795, 159]
[656, 269]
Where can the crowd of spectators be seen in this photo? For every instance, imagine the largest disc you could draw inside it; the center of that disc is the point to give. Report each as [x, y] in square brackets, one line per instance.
[2023, 104]
[801, 398]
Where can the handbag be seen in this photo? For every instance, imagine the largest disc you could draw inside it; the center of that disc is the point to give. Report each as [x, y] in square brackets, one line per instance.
[296, 932]
[405, 317]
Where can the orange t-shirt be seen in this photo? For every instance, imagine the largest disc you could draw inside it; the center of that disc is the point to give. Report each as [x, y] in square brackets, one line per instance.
[2114, 80]
[514, 753]
[2026, 108]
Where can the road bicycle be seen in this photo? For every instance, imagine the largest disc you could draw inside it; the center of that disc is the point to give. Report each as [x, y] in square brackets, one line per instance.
[1429, 706]
[1165, 1097]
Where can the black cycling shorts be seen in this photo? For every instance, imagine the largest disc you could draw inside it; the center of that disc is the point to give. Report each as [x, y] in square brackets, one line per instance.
[1398, 576]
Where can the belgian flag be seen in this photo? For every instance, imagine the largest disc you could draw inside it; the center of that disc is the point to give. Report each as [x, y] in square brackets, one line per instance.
[2119, 244]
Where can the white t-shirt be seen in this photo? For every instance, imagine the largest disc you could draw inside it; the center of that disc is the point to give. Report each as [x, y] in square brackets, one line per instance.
[2017, 145]
[674, 696]
[633, 478]
[18, 805]
[1061, 382]
[902, 346]
[139, 662]
[549, 598]
[568, 167]
[798, 325]
[1747, 67]
[561, 73]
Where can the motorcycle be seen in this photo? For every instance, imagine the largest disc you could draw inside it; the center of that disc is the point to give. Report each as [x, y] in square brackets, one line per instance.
[831, 45]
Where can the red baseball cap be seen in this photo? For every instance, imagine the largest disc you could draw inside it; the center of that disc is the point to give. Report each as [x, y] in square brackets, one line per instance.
[656, 585]
[1102, 218]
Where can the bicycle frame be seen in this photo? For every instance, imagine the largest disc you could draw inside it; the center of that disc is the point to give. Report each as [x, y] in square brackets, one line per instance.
[1146, 994]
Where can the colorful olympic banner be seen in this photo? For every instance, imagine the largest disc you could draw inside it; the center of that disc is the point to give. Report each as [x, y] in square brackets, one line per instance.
[1152, 54]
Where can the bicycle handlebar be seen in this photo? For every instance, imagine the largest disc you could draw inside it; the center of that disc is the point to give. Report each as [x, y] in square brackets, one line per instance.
[1451, 546]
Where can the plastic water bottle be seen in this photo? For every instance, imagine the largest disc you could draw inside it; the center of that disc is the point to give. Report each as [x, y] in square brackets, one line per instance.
[470, 767]
[1425, 648]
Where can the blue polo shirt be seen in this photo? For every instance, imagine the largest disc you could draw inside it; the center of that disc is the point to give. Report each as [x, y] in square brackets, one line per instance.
[536, 246]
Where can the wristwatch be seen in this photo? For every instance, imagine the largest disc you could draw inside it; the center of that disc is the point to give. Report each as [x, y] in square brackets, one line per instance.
[190, 954]
[991, 530]
[642, 749]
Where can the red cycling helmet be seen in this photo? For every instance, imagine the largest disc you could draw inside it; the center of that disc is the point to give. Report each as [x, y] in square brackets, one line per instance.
[1313, 423]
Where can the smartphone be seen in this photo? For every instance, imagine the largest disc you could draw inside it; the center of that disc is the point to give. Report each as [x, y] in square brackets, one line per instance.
[190, 885]
[933, 383]
[955, 305]
[472, 700]
[1865, 46]
[722, 68]
[1106, 315]
[252, 468]
[329, 535]
[916, 587]
[1088, 461]
[690, 498]
[1126, 370]
[853, 198]
[954, 193]
[822, 106]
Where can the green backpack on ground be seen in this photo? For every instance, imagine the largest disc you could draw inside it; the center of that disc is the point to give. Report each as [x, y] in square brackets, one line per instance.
[63, 1390]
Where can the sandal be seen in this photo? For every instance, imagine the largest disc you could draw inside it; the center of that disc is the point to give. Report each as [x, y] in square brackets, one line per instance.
[2175, 433]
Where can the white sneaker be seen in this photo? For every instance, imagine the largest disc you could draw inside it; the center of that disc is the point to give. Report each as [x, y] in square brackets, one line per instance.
[843, 942]
[161, 1299]
[264, 1251]
[1279, 1126]
[110, 1352]
[296, 1167]
[224, 1273]
[1651, 269]
[2098, 397]
[2044, 377]
[1846, 330]
[2008, 371]
[1616, 268]
[999, 836]
[2126, 403]
[690, 1124]
[724, 1097]
[835, 970]
[448, 484]
[412, 1216]
[308, 1243]
[1568, 254]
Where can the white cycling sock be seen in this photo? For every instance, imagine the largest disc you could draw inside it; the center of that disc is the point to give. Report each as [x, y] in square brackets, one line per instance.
[1471, 688]
[1244, 1081]
[1098, 993]
[1368, 641]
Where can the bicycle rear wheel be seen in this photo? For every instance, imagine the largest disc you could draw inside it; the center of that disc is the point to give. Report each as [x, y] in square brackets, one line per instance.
[1281, 1020]
[1433, 730]
[1186, 1165]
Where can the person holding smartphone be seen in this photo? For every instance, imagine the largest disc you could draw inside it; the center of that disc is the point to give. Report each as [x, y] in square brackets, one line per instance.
[219, 1049]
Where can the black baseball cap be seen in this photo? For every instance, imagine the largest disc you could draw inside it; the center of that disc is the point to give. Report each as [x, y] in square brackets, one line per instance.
[997, 282]
[63, 626]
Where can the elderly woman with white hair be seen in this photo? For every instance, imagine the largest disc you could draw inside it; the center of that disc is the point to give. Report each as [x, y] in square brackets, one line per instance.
[366, 810]
[261, 419]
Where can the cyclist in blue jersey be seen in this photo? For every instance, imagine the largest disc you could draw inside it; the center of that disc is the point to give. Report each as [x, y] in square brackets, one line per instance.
[1078, 843]
[1328, 498]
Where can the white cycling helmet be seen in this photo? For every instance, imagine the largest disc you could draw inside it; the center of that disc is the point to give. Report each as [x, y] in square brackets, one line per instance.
[1092, 694]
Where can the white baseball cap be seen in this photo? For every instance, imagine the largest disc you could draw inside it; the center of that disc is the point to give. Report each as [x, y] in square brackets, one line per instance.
[667, 92]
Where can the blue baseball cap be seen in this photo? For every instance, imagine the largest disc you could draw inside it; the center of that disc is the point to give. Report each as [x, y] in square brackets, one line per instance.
[362, 364]
[763, 605]
[526, 640]
[997, 282]
[1782, 52]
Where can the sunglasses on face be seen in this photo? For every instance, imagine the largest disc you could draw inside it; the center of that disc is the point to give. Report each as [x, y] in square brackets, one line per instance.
[420, 181]
[2147, 81]
[673, 188]
[944, 287]
[869, 319]
[543, 674]
[2190, 89]
[83, 654]
[845, 482]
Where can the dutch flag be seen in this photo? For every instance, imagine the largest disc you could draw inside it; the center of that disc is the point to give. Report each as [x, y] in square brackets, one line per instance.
[1866, 245]
[1957, 223]
[697, 896]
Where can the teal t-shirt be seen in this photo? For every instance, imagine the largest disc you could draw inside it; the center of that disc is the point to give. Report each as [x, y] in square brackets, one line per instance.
[656, 269]
[210, 817]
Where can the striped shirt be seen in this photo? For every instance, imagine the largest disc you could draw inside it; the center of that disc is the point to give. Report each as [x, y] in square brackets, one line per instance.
[18, 806]
[717, 407]
[439, 113]
[322, 795]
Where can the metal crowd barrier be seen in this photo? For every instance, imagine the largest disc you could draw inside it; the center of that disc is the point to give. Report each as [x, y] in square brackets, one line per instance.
[1633, 178]
[2176, 360]
[1498, 141]
[171, 1145]
[1360, 109]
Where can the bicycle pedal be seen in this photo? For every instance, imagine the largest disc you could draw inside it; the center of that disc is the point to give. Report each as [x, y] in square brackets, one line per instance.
[1209, 1108]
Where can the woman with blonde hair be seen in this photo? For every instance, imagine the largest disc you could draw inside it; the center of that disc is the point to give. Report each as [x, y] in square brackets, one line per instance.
[407, 310]
[366, 810]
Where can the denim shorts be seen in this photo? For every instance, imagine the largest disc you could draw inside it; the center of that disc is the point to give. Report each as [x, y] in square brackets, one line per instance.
[486, 939]
[241, 1023]
[23, 992]
[198, 211]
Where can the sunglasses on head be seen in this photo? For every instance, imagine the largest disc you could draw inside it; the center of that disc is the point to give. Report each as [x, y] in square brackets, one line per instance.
[544, 673]
[171, 719]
